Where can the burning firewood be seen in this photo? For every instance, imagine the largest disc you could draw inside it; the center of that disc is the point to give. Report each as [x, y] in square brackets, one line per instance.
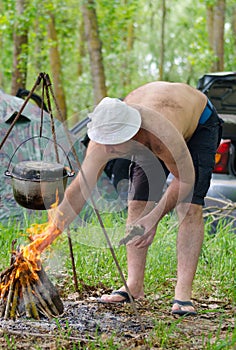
[25, 289]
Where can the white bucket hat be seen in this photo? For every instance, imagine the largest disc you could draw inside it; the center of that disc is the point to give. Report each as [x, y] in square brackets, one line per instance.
[113, 122]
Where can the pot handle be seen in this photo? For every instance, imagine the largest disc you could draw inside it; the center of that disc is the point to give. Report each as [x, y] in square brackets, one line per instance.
[70, 172]
[8, 173]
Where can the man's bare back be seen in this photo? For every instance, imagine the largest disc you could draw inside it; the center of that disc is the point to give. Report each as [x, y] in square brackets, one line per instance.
[181, 104]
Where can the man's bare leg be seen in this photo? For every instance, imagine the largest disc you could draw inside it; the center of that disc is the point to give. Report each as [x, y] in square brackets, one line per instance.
[189, 243]
[136, 257]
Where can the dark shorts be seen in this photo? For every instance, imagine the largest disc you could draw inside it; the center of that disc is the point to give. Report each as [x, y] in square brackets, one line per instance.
[148, 174]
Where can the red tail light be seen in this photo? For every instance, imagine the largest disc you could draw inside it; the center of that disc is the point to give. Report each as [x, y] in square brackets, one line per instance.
[222, 157]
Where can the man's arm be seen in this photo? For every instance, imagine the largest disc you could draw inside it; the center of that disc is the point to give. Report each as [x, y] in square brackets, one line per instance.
[81, 187]
[75, 197]
[179, 188]
[175, 154]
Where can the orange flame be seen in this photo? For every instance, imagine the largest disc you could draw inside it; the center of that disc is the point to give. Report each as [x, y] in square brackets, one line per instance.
[28, 258]
[42, 235]
[41, 241]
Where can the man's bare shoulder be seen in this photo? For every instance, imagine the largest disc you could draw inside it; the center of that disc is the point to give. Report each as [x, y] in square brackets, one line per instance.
[180, 103]
[96, 152]
[94, 145]
[159, 90]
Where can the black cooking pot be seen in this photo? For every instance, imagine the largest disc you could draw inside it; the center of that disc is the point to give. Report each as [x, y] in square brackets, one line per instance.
[37, 185]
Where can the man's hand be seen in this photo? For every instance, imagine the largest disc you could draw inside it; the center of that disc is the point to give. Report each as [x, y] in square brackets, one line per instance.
[148, 235]
[132, 232]
[136, 235]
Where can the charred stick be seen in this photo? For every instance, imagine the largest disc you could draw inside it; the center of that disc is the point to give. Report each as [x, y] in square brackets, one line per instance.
[72, 260]
[9, 300]
[15, 301]
[43, 307]
[6, 272]
[44, 312]
[31, 300]
[4, 293]
[13, 255]
[3, 309]
[43, 291]
[25, 296]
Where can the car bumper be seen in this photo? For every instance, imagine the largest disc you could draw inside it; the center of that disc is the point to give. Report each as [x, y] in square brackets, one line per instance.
[223, 187]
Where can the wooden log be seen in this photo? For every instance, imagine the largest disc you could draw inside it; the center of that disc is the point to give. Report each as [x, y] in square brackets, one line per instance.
[6, 272]
[47, 298]
[15, 301]
[41, 304]
[25, 296]
[34, 310]
[13, 254]
[50, 288]
[9, 301]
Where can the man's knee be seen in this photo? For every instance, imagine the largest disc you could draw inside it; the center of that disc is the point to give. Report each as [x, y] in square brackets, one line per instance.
[138, 209]
[189, 212]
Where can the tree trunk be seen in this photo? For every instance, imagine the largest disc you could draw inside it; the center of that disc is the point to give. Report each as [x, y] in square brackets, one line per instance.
[162, 41]
[81, 48]
[20, 50]
[55, 63]
[95, 50]
[219, 20]
[215, 25]
[234, 25]
[210, 25]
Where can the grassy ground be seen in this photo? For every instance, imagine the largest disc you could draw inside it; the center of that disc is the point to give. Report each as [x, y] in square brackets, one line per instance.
[213, 292]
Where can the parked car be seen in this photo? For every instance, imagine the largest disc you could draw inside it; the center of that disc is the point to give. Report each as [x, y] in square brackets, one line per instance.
[221, 90]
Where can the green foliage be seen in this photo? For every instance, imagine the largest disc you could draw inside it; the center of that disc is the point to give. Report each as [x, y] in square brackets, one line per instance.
[8, 233]
[217, 262]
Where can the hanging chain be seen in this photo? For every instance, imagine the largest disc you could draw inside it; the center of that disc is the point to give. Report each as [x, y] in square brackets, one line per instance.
[48, 85]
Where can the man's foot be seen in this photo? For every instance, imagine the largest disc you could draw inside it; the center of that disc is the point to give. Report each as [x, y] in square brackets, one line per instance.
[118, 296]
[183, 308]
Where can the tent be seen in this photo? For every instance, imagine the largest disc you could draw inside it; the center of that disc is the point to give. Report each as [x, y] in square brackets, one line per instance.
[24, 143]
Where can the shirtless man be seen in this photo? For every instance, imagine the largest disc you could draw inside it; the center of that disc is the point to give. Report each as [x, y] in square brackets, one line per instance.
[176, 127]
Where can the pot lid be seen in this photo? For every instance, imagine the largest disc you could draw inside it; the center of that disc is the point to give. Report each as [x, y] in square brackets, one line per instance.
[38, 171]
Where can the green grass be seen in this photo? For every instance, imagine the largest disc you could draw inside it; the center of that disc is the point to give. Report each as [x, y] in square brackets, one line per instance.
[215, 278]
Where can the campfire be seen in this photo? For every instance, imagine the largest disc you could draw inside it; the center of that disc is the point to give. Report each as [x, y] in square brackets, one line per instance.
[25, 289]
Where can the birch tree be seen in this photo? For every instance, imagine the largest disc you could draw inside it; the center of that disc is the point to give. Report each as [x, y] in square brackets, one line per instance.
[95, 50]
[20, 48]
[162, 41]
[215, 25]
[56, 69]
